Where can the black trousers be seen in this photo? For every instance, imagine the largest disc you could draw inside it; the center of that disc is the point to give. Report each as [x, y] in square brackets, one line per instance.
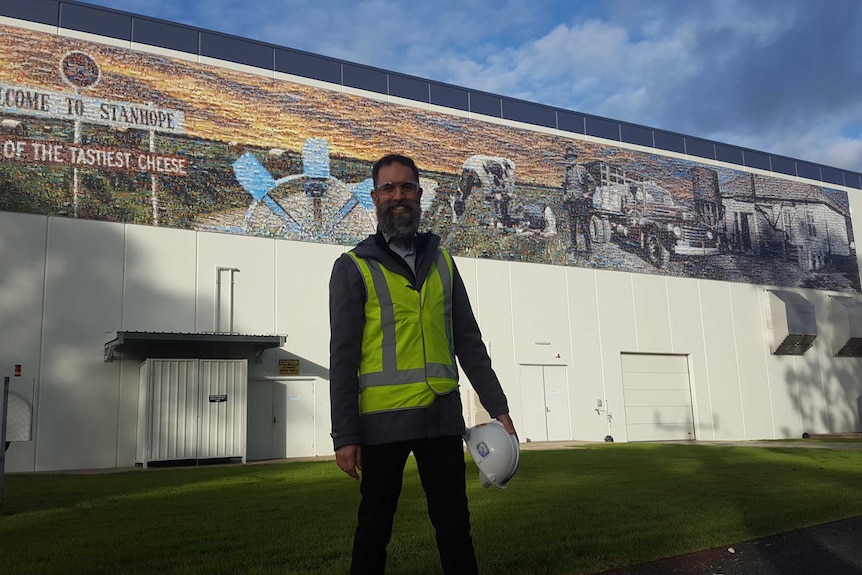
[441, 470]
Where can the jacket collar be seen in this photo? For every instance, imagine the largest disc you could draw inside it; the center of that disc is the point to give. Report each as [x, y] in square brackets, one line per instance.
[376, 247]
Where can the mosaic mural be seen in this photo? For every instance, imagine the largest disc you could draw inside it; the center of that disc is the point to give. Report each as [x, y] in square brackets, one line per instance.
[91, 131]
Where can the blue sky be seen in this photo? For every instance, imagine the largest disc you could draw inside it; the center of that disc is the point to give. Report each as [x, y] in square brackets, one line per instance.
[782, 76]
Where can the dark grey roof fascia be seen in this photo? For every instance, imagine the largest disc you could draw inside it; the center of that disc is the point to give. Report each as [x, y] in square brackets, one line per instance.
[121, 338]
[7, 10]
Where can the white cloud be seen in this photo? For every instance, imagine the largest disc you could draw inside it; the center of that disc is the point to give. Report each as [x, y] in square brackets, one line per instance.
[777, 75]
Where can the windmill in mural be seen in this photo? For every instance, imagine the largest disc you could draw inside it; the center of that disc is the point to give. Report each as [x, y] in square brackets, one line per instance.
[310, 205]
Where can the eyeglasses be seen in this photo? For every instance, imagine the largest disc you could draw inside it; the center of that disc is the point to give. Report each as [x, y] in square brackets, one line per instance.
[389, 188]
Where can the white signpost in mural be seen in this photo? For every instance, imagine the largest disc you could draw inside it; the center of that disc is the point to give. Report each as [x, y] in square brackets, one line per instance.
[81, 71]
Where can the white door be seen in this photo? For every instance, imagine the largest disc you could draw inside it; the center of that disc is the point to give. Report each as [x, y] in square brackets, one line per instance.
[299, 414]
[533, 426]
[544, 403]
[557, 402]
[657, 395]
[281, 419]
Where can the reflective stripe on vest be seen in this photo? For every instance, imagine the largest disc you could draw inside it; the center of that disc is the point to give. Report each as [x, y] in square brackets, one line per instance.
[408, 353]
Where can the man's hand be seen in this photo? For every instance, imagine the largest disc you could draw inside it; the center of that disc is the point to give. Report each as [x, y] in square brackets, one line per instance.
[507, 423]
[349, 459]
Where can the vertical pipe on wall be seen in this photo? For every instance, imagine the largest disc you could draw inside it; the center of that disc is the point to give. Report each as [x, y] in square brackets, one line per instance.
[230, 322]
[217, 306]
[218, 299]
[608, 415]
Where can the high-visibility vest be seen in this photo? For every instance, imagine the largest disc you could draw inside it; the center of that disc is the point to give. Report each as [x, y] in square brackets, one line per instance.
[408, 353]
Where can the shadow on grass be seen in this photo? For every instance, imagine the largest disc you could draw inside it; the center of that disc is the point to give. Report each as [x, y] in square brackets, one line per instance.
[592, 509]
[566, 512]
[248, 519]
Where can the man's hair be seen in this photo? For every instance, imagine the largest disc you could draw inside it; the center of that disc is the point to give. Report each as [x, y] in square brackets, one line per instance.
[393, 159]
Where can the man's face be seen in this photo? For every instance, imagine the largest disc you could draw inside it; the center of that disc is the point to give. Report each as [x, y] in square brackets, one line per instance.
[398, 209]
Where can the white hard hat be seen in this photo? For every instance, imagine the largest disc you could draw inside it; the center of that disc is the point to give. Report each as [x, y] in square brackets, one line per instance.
[495, 451]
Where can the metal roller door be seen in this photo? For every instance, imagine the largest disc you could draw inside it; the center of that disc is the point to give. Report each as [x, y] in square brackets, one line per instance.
[657, 395]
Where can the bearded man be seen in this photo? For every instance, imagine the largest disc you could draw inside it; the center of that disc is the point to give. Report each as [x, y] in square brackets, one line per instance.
[399, 316]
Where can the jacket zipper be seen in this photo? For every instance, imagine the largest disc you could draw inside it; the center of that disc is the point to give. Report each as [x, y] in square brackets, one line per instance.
[422, 333]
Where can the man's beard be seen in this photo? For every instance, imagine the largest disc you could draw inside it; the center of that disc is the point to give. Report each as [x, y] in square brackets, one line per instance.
[402, 226]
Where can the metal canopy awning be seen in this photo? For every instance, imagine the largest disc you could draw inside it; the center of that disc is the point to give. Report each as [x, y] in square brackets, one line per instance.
[261, 343]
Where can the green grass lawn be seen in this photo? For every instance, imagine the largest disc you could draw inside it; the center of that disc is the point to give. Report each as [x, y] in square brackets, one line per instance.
[574, 511]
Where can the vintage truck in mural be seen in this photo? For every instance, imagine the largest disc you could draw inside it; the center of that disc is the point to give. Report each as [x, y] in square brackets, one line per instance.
[642, 215]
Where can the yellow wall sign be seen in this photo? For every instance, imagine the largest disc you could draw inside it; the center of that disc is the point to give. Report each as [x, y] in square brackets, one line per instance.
[288, 367]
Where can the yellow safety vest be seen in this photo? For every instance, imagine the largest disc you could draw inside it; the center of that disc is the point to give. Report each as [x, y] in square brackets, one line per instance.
[408, 353]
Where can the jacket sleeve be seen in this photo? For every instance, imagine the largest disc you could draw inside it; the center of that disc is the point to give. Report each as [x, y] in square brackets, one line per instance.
[346, 321]
[471, 351]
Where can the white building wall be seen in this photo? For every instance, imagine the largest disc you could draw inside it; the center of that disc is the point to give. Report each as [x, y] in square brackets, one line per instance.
[722, 368]
[752, 345]
[300, 307]
[301, 300]
[253, 289]
[811, 371]
[95, 278]
[587, 371]
[78, 392]
[810, 391]
[686, 327]
[67, 283]
[785, 399]
[541, 330]
[617, 333]
[489, 288]
[159, 286]
[23, 239]
[652, 320]
[159, 295]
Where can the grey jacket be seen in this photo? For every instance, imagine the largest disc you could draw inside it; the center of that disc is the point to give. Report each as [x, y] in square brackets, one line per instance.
[347, 317]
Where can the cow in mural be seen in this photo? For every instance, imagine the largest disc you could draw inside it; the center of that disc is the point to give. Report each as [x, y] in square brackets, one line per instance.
[491, 181]
[486, 192]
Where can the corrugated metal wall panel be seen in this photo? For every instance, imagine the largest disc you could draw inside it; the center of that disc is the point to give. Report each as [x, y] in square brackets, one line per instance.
[222, 423]
[173, 391]
[181, 414]
[143, 417]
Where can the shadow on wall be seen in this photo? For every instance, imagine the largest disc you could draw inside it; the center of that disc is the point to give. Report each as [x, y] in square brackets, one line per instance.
[828, 397]
[85, 409]
[674, 430]
[287, 414]
[291, 364]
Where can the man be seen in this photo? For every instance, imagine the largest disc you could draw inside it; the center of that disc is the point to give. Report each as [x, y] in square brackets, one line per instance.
[399, 314]
[578, 189]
